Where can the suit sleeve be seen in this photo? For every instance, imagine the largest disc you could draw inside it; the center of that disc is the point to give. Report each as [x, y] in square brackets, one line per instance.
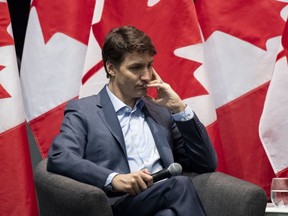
[66, 154]
[193, 148]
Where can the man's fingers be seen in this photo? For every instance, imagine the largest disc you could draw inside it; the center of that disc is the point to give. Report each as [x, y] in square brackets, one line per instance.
[156, 75]
[148, 179]
[138, 184]
[132, 183]
[159, 84]
[135, 188]
[141, 180]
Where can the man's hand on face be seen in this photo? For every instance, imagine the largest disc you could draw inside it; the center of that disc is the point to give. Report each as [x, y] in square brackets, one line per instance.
[166, 97]
[132, 183]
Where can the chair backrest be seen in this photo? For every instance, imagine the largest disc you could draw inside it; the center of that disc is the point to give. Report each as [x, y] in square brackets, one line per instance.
[225, 195]
[59, 195]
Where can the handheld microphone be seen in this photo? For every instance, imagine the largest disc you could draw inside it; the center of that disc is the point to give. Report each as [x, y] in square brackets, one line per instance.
[173, 170]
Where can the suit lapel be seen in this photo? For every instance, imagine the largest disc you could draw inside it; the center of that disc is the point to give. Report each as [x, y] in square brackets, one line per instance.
[107, 113]
[109, 117]
[159, 136]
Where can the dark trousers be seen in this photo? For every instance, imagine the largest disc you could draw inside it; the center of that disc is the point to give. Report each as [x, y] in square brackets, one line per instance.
[174, 196]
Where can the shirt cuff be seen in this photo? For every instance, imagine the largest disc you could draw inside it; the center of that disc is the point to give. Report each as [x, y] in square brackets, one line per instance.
[110, 178]
[185, 115]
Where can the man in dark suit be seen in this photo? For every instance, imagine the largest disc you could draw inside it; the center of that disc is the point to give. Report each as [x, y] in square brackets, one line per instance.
[117, 138]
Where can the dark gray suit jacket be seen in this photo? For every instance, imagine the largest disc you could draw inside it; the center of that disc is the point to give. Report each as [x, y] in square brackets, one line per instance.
[90, 145]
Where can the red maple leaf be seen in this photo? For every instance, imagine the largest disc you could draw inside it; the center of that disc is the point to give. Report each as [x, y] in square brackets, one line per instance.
[254, 21]
[3, 92]
[171, 25]
[70, 17]
[5, 37]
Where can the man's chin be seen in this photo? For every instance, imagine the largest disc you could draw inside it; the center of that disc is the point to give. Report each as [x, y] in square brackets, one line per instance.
[141, 93]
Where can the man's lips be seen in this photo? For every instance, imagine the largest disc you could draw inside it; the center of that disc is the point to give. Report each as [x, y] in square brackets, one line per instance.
[144, 86]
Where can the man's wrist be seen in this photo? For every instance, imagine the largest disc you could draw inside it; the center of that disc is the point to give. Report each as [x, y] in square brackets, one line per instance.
[178, 109]
[185, 115]
[108, 184]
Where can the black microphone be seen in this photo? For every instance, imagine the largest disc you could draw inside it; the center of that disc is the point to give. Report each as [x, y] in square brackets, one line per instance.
[173, 170]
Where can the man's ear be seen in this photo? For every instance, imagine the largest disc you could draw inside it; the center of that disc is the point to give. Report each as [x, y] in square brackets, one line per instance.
[110, 68]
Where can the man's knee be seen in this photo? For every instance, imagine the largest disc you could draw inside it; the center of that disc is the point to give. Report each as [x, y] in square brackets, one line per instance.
[180, 185]
[182, 181]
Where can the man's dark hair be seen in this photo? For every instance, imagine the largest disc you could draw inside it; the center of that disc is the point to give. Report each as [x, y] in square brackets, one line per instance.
[121, 41]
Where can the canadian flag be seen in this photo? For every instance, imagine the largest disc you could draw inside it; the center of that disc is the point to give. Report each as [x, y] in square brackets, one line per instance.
[52, 64]
[241, 44]
[17, 192]
[274, 122]
[218, 55]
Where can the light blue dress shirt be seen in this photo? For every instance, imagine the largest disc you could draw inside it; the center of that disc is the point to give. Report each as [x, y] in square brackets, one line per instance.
[140, 144]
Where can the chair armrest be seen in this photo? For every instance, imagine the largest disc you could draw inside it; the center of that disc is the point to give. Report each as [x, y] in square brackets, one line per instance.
[59, 195]
[224, 195]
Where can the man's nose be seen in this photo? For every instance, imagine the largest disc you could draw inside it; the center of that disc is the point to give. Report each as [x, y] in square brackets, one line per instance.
[146, 74]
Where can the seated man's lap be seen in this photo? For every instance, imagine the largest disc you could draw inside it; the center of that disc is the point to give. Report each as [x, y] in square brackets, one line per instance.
[176, 193]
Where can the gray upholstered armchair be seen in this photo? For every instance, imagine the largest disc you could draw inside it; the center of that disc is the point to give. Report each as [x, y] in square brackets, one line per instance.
[221, 194]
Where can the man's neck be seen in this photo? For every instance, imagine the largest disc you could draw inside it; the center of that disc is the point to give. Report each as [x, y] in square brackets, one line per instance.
[128, 101]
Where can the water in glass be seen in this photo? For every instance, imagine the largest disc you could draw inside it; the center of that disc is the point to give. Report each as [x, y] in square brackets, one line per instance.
[279, 192]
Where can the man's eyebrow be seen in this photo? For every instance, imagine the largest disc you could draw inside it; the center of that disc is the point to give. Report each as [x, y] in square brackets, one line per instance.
[136, 64]
[141, 63]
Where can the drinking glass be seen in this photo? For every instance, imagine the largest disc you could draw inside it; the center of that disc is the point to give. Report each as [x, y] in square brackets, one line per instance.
[279, 192]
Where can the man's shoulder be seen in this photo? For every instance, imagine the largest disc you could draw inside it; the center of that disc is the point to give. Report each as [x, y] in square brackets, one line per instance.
[90, 100]
[85, 106]
[84, 101]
